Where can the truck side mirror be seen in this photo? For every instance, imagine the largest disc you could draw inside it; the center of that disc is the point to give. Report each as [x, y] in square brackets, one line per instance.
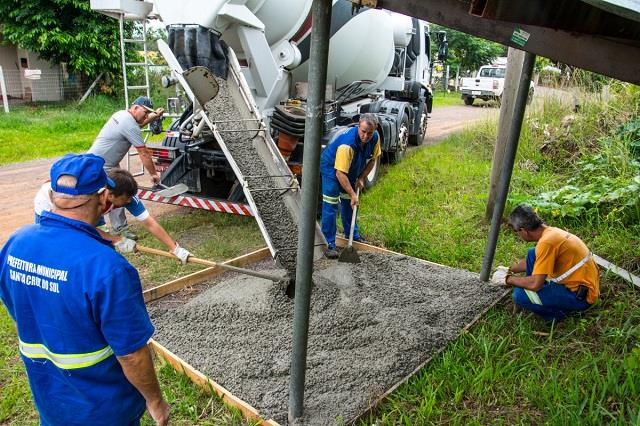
[443, 46]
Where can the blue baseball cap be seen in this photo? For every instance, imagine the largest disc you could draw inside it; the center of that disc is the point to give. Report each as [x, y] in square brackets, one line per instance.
[144, 102]
[88, 171]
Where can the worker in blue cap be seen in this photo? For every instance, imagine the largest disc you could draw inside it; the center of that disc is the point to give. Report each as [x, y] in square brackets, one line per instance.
[81, 320]
[116, 137]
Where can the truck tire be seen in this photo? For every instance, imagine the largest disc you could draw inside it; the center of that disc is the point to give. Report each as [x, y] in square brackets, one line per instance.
[468, 100]
[417, 139]
[403, 140]
[373, 176]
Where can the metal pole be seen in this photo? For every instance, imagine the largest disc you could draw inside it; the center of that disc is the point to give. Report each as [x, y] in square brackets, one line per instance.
[124, 66]
[317, 78]
[515, 58]
[3, 90]
[509, 160]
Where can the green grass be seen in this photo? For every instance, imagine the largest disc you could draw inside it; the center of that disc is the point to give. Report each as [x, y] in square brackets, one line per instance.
[441, 99]
[48, 130]
[206, 235]
[503, 371]
[45, 130]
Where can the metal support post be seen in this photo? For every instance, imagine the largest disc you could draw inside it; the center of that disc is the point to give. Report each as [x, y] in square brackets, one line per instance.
[509, 159]
[124, 66]
[515, 58]
[321, 17]
[3, 91]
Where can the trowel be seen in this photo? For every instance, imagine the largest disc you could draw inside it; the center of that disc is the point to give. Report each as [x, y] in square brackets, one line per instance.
[172, 191]
[349, 254]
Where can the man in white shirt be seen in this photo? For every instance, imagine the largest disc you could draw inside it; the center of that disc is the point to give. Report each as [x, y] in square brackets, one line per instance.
[117, 136]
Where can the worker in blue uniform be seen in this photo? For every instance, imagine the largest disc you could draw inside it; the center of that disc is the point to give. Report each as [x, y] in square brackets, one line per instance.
[77, 303]
[344, 164]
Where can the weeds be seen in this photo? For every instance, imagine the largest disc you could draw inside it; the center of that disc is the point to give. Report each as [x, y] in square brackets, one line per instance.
[596, 151]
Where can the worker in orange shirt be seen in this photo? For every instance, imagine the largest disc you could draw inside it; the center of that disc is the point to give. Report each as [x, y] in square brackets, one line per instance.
[560, 275]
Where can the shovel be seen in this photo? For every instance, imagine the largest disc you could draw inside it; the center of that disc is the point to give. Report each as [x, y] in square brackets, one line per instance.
[172, 191]
[349, 254]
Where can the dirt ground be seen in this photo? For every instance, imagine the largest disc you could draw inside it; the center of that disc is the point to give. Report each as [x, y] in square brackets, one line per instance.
[19, 182]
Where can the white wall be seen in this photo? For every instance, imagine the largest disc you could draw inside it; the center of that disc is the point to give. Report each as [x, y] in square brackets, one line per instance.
[49, 87]
[9, 64]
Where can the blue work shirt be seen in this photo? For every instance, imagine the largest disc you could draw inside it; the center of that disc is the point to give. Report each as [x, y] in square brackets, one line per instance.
[135, 207]
[77, 304]
[42, 202]
[361, 154]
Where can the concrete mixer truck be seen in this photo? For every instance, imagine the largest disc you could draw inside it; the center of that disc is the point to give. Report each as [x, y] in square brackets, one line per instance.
[379, 62]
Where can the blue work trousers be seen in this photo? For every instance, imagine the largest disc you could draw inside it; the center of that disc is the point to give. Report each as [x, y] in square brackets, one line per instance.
[552, 302]
[332, 196]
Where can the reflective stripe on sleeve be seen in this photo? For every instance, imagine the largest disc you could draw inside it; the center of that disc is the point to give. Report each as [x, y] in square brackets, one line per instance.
[533, 297]
[64, 361]
[330, 200]
[345, 196]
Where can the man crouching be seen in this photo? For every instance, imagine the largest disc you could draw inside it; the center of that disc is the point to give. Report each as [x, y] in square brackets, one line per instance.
[561, 276]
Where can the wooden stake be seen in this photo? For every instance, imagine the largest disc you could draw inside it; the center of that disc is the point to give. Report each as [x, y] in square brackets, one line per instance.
[208, 385]
[90, 89]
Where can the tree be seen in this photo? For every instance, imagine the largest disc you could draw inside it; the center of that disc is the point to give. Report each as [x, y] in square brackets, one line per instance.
[64, 31]
[469, 52]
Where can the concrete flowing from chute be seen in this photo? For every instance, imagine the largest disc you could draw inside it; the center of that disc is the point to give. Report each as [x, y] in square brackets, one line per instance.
[371, 325]
[238, 137]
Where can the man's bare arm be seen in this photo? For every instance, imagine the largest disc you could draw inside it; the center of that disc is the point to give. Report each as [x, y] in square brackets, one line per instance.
[138, 369]
[159, 232]
[147, 162]
[346, 185]
[152, 116]
[519, 266]
[365, 172]
[533, 282]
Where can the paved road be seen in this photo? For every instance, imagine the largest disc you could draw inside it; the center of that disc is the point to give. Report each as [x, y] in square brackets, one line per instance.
[20, 182]
[447, 120]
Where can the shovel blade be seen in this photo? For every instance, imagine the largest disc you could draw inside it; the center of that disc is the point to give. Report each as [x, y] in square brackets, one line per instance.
[349, 255]
[174, 190]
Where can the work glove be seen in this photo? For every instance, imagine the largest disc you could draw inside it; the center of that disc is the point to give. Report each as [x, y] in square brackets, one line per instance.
[500, 275]
[125, 245]
[181, 253]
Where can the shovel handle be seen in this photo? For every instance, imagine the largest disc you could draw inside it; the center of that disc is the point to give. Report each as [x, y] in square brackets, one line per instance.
[353, 219]
[205, 262]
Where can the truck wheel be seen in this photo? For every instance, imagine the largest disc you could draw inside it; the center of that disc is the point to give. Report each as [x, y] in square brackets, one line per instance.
[468, 100]
[373, 176]
[417, 139]
[403, 140]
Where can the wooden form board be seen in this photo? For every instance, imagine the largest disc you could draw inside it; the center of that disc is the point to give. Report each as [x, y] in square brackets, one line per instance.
[209, 385]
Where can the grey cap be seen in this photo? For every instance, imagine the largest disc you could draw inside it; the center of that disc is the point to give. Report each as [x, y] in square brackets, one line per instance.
[145, 102]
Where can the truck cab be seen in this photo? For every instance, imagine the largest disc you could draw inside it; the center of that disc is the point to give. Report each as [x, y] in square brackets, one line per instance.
[488, 84]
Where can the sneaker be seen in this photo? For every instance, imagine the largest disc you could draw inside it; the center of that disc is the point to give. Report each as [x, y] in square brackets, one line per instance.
[331, 253]
[128, 234]
[361, 240]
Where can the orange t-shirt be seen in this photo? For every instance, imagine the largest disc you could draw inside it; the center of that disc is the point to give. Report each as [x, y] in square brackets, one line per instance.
[557, 251]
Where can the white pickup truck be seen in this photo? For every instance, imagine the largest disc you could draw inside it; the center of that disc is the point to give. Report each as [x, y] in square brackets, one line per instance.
[487, 85]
